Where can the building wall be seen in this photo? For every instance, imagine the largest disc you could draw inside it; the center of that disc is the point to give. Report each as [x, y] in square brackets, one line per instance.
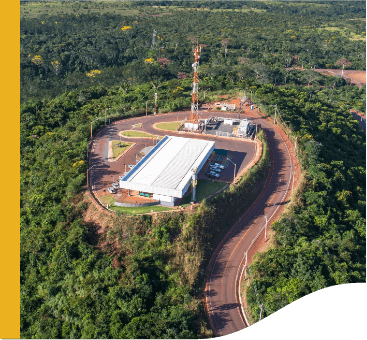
[163, 198]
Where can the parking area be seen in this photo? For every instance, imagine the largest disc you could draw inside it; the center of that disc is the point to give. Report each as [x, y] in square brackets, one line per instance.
[223, 168]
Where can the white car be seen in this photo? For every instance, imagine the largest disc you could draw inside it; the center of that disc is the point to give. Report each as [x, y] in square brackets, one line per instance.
[214, 174]
[219, 166]
[116, 185]
[214, 168]
[111, 190]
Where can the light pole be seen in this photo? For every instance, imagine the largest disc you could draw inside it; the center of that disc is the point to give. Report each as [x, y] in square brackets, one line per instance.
[275, 116]
[91, 128]
[234, 174]
[146, 108]
[266, 225]
[90, 176]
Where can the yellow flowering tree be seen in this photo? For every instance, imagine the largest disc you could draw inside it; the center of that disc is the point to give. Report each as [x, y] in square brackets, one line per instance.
[56, 66]
[149, 60]
[93, 73]
[37, 59]
[125, 28]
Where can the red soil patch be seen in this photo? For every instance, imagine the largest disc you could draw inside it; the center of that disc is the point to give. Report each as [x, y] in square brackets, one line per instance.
[354, 76]
[96, 214]
[363, 115]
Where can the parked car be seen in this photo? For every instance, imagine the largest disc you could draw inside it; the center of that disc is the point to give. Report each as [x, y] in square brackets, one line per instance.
[219, 166]
[215, 168]
[212, 173]
[116, 185]
[111, 190]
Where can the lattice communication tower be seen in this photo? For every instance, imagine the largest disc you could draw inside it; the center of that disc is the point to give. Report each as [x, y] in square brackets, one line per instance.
[194, 115]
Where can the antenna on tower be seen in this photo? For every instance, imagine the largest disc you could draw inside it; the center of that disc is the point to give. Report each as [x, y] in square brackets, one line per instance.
[194, 114]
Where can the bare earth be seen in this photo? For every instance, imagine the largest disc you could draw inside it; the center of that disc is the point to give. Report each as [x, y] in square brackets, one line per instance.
[356, 77]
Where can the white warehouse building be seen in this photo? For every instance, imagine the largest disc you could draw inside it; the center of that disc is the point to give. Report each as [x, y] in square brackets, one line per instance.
[167, 169]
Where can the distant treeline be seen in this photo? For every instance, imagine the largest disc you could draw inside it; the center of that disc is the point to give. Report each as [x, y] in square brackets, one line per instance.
[328, 7]
[59, 51]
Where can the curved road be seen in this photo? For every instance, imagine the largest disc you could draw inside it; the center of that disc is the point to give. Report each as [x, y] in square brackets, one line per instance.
[223, 304]
[221, 291]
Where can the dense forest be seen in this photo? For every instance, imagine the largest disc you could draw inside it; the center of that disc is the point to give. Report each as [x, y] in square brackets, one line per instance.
[321, 241]
[143, 277]
[60, 47]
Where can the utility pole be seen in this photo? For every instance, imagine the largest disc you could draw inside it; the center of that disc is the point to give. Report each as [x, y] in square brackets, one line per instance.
[239, 111]
[155, 102]
[194, 186]
[234, 174]
[91, 128]
[275, 116]
[90, 176]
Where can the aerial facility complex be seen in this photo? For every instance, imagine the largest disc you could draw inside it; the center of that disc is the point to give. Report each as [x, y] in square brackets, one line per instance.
[169, 168]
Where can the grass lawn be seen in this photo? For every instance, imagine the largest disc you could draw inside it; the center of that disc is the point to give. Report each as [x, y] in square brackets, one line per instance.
[173, 126]
[116, 150]
[140, 210]
[132, 133]
[204, 188]
[106, 199]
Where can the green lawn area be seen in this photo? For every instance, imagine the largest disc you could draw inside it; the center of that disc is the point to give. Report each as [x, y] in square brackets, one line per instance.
[107, 199]
[173, 126]
[116, 150]
[132, 133]
[140, 210]
[204, 188]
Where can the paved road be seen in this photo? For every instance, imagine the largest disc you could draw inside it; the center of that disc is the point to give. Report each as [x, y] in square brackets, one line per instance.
[223, 304]
[221, 291]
